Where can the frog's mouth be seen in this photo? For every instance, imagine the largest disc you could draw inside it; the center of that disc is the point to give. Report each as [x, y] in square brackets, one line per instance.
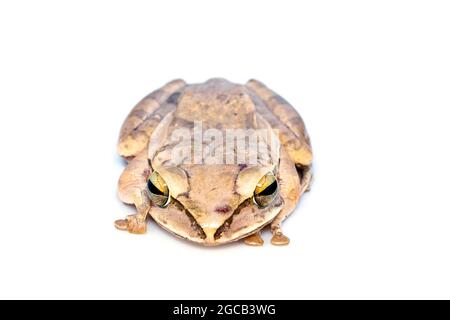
[246, 219]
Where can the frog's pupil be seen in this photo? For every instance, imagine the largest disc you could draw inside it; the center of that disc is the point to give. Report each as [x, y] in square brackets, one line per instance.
[269, 190]
[153, 189]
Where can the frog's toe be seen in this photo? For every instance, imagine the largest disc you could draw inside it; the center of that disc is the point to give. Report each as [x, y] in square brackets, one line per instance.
[133, 224]
[280, 239]
[254, 240]
[121, 224]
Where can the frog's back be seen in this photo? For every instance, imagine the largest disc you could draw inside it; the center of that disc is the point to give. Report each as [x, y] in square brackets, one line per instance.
[218, 104]
[225, 116]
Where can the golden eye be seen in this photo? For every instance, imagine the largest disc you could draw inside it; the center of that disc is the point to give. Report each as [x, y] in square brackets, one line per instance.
[159, 192]
[266, 190]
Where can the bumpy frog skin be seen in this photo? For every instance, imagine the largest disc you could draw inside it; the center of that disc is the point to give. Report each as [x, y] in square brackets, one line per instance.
[210, 202]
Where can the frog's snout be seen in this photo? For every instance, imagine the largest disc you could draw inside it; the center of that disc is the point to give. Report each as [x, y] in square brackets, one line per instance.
[210, 233]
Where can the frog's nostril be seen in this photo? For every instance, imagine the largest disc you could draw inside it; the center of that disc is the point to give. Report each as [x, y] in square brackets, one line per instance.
[223, 209]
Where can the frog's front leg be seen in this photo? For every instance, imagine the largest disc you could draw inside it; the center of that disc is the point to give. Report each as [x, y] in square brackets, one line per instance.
[291, 188]
[136, 223]
[132, 190]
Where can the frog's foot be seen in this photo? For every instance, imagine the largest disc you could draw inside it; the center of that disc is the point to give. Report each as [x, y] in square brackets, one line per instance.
[133, 224]
[254, 240]
[278, 238]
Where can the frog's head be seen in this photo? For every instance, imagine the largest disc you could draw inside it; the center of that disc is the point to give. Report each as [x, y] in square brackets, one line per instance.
[211, 201]
[214, 204]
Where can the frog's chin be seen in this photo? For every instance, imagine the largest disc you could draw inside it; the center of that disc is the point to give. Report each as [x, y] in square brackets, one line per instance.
[249, 220]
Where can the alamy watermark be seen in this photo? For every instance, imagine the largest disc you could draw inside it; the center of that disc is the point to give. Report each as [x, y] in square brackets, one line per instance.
[199, 145]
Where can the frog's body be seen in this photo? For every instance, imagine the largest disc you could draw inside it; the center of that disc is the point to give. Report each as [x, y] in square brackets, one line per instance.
[213, 194]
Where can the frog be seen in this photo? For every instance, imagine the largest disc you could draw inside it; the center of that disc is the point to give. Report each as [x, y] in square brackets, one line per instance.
[205, 199]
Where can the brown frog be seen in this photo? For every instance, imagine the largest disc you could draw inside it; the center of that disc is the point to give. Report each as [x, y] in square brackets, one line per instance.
[214, 162]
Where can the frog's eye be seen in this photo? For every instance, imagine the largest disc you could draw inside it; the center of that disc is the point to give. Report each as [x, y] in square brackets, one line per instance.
[159, 192]
[266, 190]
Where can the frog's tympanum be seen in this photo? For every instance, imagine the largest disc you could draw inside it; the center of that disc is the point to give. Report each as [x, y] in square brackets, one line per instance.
[214, 162]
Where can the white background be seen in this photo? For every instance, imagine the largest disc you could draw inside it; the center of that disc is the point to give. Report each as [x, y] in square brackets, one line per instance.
[370, 78]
